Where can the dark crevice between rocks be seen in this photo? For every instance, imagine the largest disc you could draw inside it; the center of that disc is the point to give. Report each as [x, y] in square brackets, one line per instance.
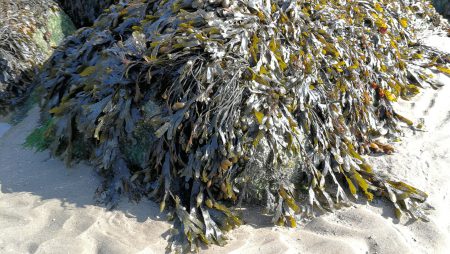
[85, 12]
[443, 7]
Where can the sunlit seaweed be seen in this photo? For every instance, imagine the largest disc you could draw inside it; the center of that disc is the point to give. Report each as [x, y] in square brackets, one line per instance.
[203, 104]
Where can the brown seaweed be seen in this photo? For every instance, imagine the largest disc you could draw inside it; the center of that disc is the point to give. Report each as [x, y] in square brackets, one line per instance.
[28, 32]
[203, 104]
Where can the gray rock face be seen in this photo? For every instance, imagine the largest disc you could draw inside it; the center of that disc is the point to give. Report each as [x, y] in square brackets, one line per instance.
[29, 30]
[84, 12]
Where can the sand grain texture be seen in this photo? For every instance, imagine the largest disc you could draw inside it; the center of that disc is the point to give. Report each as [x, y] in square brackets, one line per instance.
[47, 208]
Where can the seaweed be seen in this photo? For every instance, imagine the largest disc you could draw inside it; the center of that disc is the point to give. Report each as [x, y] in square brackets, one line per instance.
[202, 105]
[40, 138]
[28, 31]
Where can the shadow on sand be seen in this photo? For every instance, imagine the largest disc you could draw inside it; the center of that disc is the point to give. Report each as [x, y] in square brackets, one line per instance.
[23, 170]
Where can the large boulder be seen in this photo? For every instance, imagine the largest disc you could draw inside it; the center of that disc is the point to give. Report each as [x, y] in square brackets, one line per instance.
[29, 31]
[200, 104]
[84, 12]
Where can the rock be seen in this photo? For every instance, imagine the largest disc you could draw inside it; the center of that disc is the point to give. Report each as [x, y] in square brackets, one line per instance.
[29, 30]
[84, 12]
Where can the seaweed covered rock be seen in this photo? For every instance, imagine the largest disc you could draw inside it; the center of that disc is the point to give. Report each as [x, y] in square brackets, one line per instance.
[443, 7]
[29, 30]
[84, 12]
[203, 104]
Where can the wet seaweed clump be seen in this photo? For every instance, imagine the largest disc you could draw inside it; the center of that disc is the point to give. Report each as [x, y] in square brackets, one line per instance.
[202, 105]
[28, 32]
[84, 12]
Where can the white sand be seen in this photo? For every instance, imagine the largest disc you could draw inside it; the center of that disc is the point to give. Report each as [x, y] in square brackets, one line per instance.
[47, 208]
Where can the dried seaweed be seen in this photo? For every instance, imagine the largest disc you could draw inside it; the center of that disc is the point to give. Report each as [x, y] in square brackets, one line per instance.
[203, 104]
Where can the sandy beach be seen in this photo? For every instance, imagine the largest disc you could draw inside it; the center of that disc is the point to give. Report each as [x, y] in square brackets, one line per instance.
[48, 208]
